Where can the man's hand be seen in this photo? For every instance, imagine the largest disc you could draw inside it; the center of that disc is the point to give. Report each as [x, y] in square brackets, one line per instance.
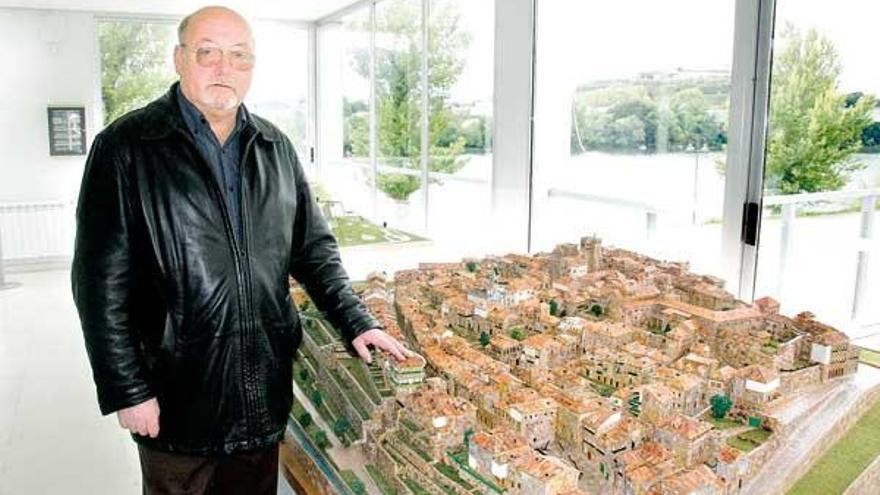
[142, 419]
[382, 341]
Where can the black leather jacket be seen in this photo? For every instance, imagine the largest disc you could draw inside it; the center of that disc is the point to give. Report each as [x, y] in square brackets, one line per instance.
[174, 307]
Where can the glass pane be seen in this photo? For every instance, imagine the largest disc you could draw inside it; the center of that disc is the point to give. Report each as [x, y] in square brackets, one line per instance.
[399, 114]
[345, 178]
[823, 138]
[631, 118]
[279, 91]
[136, 64]
[461, 75]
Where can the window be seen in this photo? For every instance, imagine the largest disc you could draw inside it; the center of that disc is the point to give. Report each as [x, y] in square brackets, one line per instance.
[822, 165]
[391, 191]
[631, 118]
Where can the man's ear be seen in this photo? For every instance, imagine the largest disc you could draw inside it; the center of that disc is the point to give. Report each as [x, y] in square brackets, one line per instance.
[178, 58]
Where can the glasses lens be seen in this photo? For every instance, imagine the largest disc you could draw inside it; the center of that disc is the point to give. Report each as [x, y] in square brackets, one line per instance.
[208, 56]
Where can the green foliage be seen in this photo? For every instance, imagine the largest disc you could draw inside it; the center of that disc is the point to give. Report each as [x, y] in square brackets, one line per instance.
[554, 307]
[517, 333]
[648, 117]
[813, 131]
[341, 426]
[135, 64]
[321, 439]
[399, 96]
[597, 310]
[471, 266]
[721, 405]
[468, 433]
[317, 398]
[304, 372]
[484, 339]
[305, 419]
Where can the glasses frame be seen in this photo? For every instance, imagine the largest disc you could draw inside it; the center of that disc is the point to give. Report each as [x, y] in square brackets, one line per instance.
[236, 63]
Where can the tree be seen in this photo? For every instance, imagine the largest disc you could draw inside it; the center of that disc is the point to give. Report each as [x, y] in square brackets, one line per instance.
[341, 426]
[471, 266]
[813, 131]
[305, 419]
[517, 333]
[316, 397]
[721, 405]
[357, 486]
[304, 374]
[554, 307]
[399, 94]
[597, 310]
[484, 339]
[321, 439]
[135, 58]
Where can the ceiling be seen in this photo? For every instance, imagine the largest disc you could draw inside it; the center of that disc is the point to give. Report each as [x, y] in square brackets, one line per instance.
[296, 10]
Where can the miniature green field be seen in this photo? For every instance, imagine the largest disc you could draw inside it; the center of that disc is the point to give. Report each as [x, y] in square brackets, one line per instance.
[870, 357]
[356, 230]
[845, 460]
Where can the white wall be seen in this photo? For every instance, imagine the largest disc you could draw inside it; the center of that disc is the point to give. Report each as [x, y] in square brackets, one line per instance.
[49, 58]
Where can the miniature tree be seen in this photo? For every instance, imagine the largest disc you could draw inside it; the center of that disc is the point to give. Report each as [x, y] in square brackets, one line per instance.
[305, 419]
[517, 334]
[316, 397]
[597, 311]
[468, 433]
[554, 307]
[321, 439]
[357, 486]
[341, 427]
[304, 374]
[471, 266]
[635, 405]
[721, 405]
[484, 339]
[667, 328]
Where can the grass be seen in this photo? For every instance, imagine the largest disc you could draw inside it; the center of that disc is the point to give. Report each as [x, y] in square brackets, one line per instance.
[415, 487]
[749, 440]
[359, 372]
[845, 460]
[351, 479]
[452, 474]
[870, 357]
[723, 423]
[355, 230]
[384, 486]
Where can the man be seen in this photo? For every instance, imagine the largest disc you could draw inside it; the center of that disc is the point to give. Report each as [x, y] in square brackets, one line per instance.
[191, 216]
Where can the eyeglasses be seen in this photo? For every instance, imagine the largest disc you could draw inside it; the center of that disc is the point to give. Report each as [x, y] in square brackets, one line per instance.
[209, 56]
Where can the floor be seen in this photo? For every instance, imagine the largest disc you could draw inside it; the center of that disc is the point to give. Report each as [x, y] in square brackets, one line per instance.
[53, 439]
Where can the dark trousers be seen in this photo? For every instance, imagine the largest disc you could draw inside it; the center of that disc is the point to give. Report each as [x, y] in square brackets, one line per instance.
[248, 473]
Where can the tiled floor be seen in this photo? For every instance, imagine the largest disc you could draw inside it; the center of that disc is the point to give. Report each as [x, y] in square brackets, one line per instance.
[52, 436]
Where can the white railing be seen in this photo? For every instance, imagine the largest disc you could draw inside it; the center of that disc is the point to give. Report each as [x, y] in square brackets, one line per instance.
[34, 232]
[789, 204]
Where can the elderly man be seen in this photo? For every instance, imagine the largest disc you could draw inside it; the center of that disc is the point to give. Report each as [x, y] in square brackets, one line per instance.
[192, 214]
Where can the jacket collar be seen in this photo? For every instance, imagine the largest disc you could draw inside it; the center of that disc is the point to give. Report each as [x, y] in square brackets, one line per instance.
[162, 117]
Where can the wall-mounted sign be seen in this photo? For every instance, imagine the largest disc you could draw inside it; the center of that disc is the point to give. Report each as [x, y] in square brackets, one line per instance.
[67, 131]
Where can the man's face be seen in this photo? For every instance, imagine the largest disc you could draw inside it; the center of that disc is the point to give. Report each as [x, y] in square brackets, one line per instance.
[216, 81]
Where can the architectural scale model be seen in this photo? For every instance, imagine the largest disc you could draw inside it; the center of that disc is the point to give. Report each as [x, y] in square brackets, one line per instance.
[586, 370]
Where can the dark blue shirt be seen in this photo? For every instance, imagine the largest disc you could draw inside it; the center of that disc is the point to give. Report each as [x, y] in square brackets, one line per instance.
[225, 159]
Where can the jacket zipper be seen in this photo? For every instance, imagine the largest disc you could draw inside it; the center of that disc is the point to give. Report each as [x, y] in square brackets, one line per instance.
[250, 394]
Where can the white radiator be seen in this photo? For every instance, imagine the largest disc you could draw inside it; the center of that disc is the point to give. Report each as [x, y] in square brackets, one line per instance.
[37, 231]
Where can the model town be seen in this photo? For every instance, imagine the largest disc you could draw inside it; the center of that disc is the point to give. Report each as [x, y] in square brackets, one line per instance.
[586, 370]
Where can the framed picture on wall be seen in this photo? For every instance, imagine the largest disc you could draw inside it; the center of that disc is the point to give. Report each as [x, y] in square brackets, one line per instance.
[67, 131]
